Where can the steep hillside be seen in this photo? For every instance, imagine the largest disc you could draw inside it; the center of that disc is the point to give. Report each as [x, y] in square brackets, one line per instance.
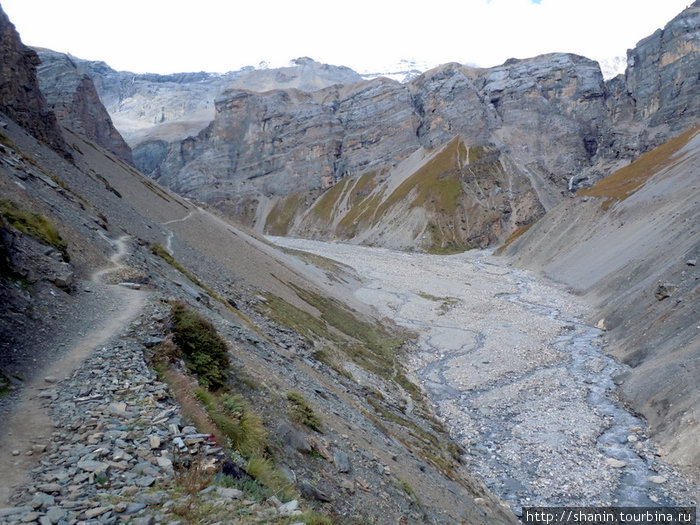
[630, 244]
[75, 102]
[291, 410]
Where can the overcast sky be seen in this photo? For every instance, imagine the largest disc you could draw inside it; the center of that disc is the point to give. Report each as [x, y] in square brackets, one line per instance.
[165, 36]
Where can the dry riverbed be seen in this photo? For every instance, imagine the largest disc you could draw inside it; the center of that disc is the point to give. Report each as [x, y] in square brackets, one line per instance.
[518, 377]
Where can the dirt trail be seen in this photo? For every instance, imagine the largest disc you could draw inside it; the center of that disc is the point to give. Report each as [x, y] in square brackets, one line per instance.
[29, 422]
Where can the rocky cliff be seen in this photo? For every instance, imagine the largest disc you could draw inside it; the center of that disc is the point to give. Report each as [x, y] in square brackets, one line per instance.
[556, 125]
[150, 107]
[20, 96]
[74, 100]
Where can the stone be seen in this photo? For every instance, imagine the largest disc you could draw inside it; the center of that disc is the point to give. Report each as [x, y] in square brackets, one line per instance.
[615, 463]
[16, 452]
[691, 262]
[154, 442]
[342, 461]
[656, 479]
[89, 465]
[97, 511]
[145, 481]
[287, 508]
[164, 462]
[664, 291]
[229, 493]
[310, 492]
[56, 514]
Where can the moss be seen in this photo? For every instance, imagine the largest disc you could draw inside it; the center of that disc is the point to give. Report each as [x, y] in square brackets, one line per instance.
[302, 413]
[33, 225]
[205, 352]
[626, 181]
[281, 215]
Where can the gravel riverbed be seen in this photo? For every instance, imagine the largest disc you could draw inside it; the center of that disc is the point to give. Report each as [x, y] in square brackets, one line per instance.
[521, 381]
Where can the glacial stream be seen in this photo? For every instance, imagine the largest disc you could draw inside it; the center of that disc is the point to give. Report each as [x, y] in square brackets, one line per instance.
[517, 376]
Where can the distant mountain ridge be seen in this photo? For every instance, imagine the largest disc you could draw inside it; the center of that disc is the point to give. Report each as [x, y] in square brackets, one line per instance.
[275, 140]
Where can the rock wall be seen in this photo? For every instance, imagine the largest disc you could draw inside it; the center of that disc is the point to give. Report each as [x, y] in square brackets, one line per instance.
[20, 96]
[75, 101]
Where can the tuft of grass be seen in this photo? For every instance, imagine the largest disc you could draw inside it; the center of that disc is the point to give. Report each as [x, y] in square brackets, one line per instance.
[263, 470]
[236, 420]
[626, 181]
[205, 352]
[302, 412]
[161, 252]
[5, 384]
[33, 225]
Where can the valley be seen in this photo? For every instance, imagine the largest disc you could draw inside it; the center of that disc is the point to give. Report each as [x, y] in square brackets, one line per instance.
[524, 385]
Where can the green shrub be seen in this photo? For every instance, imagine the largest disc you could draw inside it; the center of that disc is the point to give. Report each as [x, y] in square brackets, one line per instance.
[302, 412]
[34, 225]
[205, 352]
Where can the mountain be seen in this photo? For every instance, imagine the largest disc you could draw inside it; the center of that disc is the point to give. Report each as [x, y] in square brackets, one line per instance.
[20, 96]
[275, 159]
[97, 259]
[74, 100]
[150, 107]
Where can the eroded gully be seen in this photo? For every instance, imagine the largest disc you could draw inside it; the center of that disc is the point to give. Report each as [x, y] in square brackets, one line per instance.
[521, 381]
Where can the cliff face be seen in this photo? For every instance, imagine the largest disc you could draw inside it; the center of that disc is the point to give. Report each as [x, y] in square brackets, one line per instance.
[276, 139]
[20, 96]
[76, 104]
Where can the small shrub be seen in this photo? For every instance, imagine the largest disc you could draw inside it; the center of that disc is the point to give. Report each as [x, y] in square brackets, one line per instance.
[302, 412]
[33, 225]
[205, 352]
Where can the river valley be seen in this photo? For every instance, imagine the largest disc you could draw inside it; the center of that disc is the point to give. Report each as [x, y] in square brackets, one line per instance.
[522, 382]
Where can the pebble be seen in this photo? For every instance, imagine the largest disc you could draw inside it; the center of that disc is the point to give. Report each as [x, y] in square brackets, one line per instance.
[615, 463]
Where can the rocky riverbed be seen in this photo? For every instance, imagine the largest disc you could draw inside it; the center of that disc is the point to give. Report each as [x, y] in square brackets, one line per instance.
[522, 382]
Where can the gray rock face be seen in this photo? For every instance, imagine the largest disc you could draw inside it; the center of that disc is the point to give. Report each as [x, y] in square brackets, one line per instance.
[148, 107]
[20, 97]
[73, 98]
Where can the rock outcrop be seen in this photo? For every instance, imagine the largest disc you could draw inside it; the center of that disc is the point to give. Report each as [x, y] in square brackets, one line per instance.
[150, 107]
[74, 100]
[20, 96]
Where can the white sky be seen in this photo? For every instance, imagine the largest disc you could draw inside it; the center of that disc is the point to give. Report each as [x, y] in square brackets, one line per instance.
[165, 36]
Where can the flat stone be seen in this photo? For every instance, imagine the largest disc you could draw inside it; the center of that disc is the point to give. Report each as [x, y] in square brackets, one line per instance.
[93, 466]
[342, 461]
[289, 507]
[229, 493]
[164, 462]
[656, 479]
[16, 452]
[97, 511]
[615, 463]
[56, 514]
[50, 379]
[49, 487]
[30, 517]
[145, 481]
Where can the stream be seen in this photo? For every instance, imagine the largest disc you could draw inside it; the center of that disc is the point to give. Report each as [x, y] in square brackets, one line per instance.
[517, 376]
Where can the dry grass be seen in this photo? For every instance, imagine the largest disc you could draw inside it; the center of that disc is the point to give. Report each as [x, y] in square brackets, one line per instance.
[517, 233]
[33, 225]
[626, 181]
[282, 213]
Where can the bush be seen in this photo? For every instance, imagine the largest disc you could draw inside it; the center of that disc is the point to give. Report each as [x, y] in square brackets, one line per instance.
[205, 352]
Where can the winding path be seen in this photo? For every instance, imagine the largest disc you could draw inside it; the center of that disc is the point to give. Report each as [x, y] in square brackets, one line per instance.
[29, 423]
[521, 381]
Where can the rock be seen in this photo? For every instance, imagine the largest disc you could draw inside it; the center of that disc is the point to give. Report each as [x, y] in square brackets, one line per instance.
[16, 452]
[131, 286]
[615, 463]
[73, 97]
[50, 379]
[317, 446]
[21, 98]
[164, 462]
[342, 461]
[145, 481]
[310, 492]
[600, 325]
[154, 442]
[56, 514]
[691, 262]
[97, 511]
[42, 501]
[664, 291]
[631, 438]
[93, 466]
[286, 509]
[656, 479]
[228, 493]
